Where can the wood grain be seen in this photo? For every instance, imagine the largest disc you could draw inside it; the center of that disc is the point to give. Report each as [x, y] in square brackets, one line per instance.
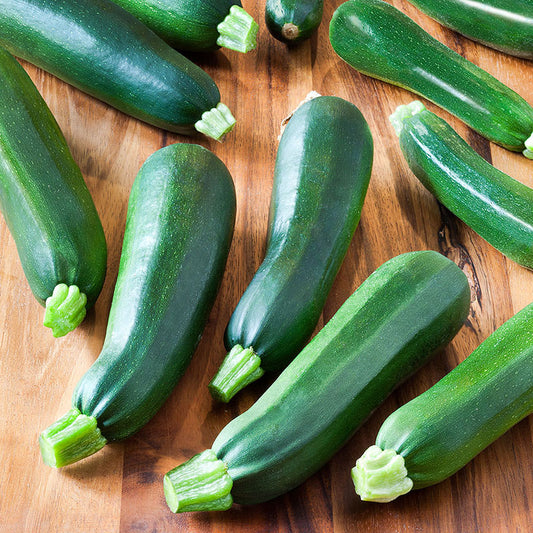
[120, 488]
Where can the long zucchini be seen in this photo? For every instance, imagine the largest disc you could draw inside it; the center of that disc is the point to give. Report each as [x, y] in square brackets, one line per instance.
[106, 52]
[493, 204]
[506, 25]
[46, 204]
[433, 436]
[292, 21]
[405, 311]
[380, 41]
[178, 232]
[320, 184]
[197, 25]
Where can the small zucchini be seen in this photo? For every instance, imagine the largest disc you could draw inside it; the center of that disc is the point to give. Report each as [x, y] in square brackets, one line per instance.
[197, 25]
[178, 232]
[433, 436]
[406, 310]
[380, 41]
[319, 189]
[46, 204]
[494, 205]
[106, 52]
[506, 25]
[292, 21]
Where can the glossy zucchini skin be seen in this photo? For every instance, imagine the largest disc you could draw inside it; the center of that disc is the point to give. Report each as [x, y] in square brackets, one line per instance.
[494, 205]
[179, 227]
[293, 21]
[380, 41]
[444, 428]
[410, 307]
[319, 188]
[506, 25]
[43, 197]
[106, 52]
[190, 25]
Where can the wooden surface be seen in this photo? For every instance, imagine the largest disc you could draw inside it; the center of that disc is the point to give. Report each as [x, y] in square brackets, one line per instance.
[120, 488]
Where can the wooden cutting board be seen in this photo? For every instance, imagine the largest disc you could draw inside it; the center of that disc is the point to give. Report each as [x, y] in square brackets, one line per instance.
[120, 488]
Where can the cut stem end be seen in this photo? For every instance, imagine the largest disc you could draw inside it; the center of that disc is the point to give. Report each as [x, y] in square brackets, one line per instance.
[404, 112]
[65, 309]
[240, 368]
[380, 476]
[528, 152]
[200, 484]
[290, 31]
[217, 122]
[238, 31]
[72, 438]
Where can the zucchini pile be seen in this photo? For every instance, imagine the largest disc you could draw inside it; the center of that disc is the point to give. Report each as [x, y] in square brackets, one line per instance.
[180, 222]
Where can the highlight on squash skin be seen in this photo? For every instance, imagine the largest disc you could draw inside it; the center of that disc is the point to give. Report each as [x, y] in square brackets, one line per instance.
[72, 438]
[238, 31]
[216, 122]
[200, 484]
[65, 309]
[380, 476]
[240, 368]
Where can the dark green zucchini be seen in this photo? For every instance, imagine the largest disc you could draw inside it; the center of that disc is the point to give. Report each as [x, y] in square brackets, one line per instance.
[506, 25]
[320, 184]
[106, 52]
[380, 41]
[493, 204]
[292, 21]
[436, 434]
[410, 307]
[197, 25]
[46, 204]
[178, 232]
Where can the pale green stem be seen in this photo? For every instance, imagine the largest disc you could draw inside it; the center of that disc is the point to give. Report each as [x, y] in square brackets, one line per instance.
[65, 309]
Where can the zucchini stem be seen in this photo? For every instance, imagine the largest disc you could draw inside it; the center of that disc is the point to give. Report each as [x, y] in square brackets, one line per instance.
[380, 475]
[404, 112]
[290, 31]
[200, 484]
[528, 152]
[65, 309]
[72, 438]
[239, 368]
[216, 122]
[238, 31]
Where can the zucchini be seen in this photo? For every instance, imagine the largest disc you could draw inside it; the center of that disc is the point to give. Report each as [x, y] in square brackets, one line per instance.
[178, 231]
[410, 307]
[494, 205]
[506, 25]
[292, 21]
[433, 436]
[319, 188]
[197, 25]
[380, 41]
[46, 204]
[106, 52]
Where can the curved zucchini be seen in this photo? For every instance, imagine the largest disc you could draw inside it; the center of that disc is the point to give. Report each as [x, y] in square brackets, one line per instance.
[320, 184]
[380, 41]
[410, 307]
[197, 25]
[46, 204]
[106, 52]
[506, 25]
[292, 21]
[433, 436]
[494, 205]
[178, 232]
